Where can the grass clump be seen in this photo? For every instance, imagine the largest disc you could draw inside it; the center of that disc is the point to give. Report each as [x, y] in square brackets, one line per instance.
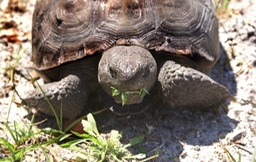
[90, 146]
[93, 146]
[25, 138]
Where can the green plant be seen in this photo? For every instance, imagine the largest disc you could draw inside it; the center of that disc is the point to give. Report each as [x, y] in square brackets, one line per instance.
[93, 146]
[221, 5]
[26, 138]
[11, 66]
[125, 94]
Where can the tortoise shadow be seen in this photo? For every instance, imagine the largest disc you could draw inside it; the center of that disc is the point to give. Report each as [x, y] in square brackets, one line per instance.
[167, 130]
[223, 73]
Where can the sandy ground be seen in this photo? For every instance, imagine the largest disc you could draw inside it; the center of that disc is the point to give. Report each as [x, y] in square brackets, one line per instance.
[180, 136]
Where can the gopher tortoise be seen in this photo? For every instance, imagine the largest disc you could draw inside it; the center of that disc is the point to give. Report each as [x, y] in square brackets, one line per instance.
[125, 54]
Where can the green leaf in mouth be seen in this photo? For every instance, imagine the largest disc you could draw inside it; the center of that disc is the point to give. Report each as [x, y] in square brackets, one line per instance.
[125, 94]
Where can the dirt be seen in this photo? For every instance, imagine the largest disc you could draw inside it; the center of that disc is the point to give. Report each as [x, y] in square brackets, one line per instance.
[179, 135]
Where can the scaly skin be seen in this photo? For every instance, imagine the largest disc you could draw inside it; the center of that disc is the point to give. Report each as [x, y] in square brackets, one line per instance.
[129, 69]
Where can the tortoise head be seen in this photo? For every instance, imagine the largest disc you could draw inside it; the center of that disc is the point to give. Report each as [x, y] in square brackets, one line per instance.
[127, 73]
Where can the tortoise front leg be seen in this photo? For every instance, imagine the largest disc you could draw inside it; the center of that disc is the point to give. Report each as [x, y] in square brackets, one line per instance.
[68, 94]
[184, 87]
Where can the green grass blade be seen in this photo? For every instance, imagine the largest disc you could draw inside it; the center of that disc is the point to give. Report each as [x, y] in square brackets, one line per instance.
[16, 133]
[12, 133]
[13, 67]
[143, 92]
[99, 111]
[73, 123]
[224, 4]
[85, 136]
[114, 91]
[8, 145]
[135, 141]
[57, 139]
[58, 120]
[124, 98]
[72, 143]
[9, 159]
[45, 154]
[19, 155]
[51, 106]
[9, 109]
[230, 157]
[61, 118]
[31, 123]
[103, 154]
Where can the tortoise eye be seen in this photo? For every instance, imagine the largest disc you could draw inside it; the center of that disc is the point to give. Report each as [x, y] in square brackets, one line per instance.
[145, 74]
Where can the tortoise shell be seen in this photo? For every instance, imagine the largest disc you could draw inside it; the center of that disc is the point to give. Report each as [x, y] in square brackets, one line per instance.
[67, 30]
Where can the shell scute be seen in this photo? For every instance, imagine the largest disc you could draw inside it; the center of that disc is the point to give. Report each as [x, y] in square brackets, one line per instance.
[66, 30]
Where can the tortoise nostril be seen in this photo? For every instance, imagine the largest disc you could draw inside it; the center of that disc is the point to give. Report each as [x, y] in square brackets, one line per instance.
[113, 73]
[143, 75]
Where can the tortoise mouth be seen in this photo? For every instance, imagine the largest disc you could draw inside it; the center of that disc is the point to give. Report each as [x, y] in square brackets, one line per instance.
[133, 109]
[127, 73]
[128, 97]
